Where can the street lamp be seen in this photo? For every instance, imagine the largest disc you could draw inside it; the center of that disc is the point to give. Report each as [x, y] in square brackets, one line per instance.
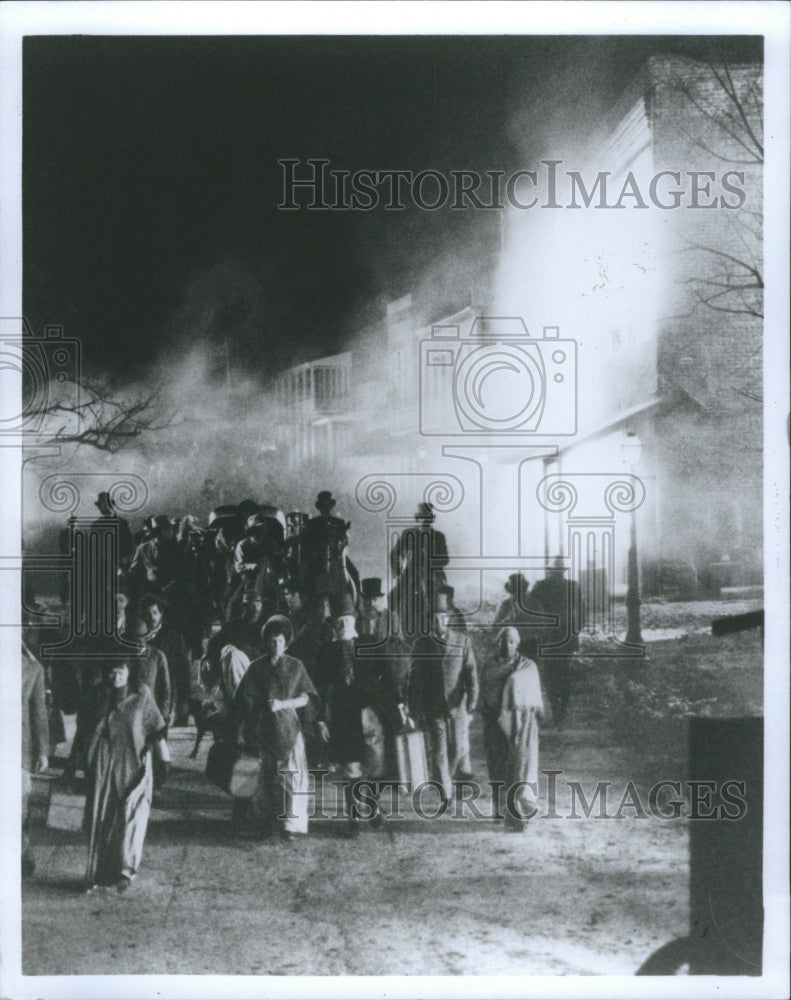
[632, 450]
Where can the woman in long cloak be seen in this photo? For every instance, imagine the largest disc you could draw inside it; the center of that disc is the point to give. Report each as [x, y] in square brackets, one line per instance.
[494, 674]
[120, 778]
[274, 702]
[521, 709]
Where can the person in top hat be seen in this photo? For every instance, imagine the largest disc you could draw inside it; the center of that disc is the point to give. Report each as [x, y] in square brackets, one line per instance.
[444, 694]
[517, 588]
[418, 561]
[457, 620]
[372, 617]
[274, 703]
[562, 598]
[325, 563]
[351, 716]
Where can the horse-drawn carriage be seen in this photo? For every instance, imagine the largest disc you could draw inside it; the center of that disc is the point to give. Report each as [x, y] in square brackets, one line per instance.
[254, 545]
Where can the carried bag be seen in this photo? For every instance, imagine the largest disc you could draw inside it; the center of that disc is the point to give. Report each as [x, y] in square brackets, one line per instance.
[244, 777]
[65, 810]
[410, 752]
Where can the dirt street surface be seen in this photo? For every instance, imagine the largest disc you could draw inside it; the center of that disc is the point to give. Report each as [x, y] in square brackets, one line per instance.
[449, 896]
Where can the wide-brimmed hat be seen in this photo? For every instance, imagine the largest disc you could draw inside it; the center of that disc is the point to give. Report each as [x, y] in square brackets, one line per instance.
[325, 499]
[278, 623]
[425, 512]
[342, 604]
[517, 581]
[372, 587]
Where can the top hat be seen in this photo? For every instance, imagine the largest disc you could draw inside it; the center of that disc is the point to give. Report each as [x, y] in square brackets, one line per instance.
[557, 563]
[325, 499]
[372, 587]
[279, 624]
[342, 605]
[425, 512]
[516, 581]
[104, 498]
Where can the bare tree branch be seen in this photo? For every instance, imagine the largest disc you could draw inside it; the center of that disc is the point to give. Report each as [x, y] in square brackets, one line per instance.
[101, 417]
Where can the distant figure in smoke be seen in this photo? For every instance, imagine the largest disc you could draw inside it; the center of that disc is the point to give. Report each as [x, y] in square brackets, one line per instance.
[326, 566]
[561, 597]
[126, 545]
[418, 561]
[523, 610]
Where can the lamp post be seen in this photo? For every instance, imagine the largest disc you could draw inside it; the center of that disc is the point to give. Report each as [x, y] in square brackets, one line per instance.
[632, 449]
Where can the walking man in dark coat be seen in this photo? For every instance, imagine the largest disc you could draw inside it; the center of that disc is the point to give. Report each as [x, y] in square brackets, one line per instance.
[562, 598]
[163, 636]
[444, 693]
[352, 718]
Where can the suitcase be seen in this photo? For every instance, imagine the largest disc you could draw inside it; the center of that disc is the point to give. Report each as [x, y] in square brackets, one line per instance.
[244, 777]
[65, 810]
[410, 749]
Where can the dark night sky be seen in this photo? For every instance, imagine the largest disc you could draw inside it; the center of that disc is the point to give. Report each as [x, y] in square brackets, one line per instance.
[150, 181]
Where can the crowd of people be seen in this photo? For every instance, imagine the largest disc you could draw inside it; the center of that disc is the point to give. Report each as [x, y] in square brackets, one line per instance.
[260, 629]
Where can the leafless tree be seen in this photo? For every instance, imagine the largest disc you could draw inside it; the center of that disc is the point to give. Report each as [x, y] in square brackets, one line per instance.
[726, 123]
[92, 412]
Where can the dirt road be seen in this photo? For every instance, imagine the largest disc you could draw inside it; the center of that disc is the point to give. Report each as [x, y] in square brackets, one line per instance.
[450, 896]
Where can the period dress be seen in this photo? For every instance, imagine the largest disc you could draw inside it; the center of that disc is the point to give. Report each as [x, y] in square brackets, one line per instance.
[520, 710]
[120, 782]
[281, 800]
[495, 673]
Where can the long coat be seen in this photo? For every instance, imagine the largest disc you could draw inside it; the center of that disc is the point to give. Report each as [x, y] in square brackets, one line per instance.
[120, 781]
[444, 675]
[260, 727]
[354, 682]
